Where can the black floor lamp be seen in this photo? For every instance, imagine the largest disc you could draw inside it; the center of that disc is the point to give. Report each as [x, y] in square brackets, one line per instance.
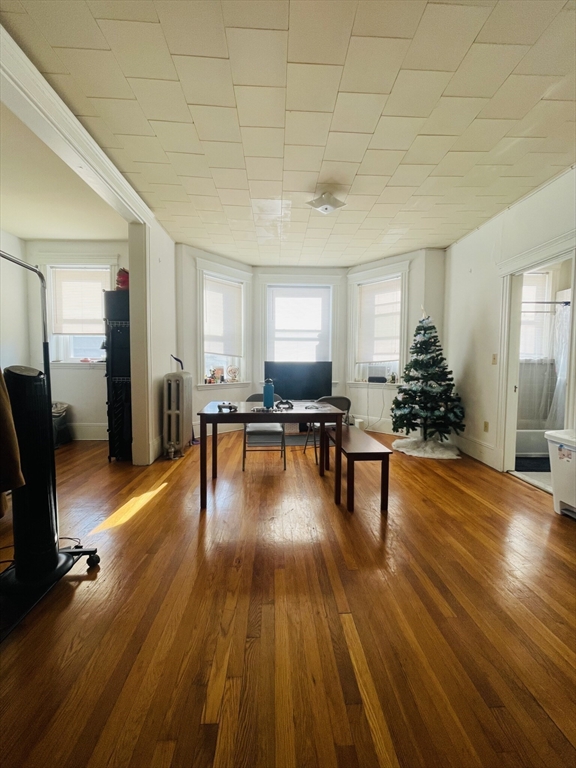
[38, 561]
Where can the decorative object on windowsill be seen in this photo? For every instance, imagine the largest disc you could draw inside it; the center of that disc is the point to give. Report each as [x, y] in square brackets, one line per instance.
[392, 379]
[122, 280]
[426, 400]
[232, 373]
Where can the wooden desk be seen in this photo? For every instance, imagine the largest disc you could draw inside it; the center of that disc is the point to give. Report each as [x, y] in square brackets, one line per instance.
[244, 415]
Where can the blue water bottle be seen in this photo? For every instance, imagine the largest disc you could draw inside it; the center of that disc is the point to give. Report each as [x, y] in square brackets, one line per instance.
[268, 395]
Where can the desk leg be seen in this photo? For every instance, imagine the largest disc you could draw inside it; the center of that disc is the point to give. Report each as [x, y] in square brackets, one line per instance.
[338, 462]
[203, 458]
[350, 484]
[214, 450]
[322, 447]
[384, 483]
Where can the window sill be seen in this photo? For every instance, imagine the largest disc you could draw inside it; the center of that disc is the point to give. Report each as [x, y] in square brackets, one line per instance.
[225, 385]
[371, 384]
[76, 366]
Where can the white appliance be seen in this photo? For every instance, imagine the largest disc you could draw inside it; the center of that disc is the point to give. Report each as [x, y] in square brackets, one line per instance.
[177, 429]
[562, 450]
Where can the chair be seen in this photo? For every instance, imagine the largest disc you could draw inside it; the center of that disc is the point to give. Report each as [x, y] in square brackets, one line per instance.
[262, 436]
[338, 401]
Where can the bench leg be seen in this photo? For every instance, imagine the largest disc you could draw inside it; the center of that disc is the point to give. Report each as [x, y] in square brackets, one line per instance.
[384, 483]
[350, 485]
[327, 451]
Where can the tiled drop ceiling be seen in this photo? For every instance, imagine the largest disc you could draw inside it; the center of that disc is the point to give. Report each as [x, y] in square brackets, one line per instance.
[425, 118]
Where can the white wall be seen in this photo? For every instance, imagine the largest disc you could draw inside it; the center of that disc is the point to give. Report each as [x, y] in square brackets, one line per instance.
[537, 228]
[14, 342]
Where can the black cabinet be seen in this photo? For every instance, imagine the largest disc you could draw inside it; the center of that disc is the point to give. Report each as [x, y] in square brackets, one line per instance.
[117, 316]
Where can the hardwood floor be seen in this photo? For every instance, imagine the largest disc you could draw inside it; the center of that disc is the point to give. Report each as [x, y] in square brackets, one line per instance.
[276, 629]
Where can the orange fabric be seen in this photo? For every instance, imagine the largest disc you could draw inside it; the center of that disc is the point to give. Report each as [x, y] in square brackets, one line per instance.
[10, 472]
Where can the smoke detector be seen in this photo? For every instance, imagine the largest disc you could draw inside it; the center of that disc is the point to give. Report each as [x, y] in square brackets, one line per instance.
[326, 203]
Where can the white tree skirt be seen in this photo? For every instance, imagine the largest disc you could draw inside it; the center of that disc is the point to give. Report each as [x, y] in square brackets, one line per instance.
[427, 449]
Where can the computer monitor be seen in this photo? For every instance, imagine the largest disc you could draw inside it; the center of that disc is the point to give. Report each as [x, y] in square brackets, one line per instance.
[300, 381]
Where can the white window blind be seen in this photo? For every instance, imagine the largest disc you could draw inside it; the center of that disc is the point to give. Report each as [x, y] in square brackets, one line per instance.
[535, 318]
[222, 317]
[379, 315]
[299, 319]
[78, 300]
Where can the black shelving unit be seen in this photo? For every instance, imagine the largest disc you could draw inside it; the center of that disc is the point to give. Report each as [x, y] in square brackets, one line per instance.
[117, 316]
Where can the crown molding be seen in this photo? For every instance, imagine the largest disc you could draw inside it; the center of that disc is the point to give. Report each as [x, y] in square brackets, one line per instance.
[31, 98]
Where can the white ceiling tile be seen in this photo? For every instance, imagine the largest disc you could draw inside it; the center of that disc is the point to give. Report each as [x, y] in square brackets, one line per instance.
[565, 90]
[484, 69]
[397, 194]
[416, 93]
[177, 137]
[428, 150]
[158, 173]
[443, 36]
[482, 135]
[299, 158]
[517, 96]
[206, 81]
[457, 163]
[261, 107]
[193, 28]
[308, 128]
[123, 116]
[228, 178]
[333, 172]
[360, 202]
[173, 193]
[123, 10]
[299, 181]
[145, 149]
[396, 132]
[100, 132]
[265, 189]
[256, 14]
[357, 112]
[11, 6]
[509, 150]
[312, 87]
[268, 67]
[212, 217]
[264, 168]
[380, 162]
[453, 115]
[29, 37]
[206, 203]
[562, 138]
[140, 49]
[234, 197]
[66, 24]
[120, 157]
[223, 154]
[189, 164]
[372, 64]
[544, 118]
[349, 147]
[198, 185]
[519, 21]
[410, 175]
[216, 123]
[161, 100]
[388, 18]
[71, 94]
[263, 142]
[369, 185]
[97, 73]
[554, 52]
[320, 30]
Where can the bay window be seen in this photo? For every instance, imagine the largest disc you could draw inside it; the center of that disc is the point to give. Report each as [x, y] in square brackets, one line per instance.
[299, 323]
[223, 329]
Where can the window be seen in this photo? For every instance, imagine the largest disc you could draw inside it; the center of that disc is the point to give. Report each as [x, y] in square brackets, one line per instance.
[379, 328]
[299, 320]
[223, 330]
[535, 317]
[77, 311]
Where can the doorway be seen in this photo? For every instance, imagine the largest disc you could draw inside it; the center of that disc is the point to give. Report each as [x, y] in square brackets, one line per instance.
[539, 366]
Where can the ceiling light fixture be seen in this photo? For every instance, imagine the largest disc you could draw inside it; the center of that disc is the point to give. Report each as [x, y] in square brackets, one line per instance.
[326, 203]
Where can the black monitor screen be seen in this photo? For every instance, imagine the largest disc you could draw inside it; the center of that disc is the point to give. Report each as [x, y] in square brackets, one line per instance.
[300, 381]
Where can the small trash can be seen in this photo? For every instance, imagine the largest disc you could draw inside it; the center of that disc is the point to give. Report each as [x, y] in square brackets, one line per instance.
[562, 450]
[60, 426]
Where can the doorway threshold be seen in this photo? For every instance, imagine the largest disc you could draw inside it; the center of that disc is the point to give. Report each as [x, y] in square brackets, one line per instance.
[542, 480]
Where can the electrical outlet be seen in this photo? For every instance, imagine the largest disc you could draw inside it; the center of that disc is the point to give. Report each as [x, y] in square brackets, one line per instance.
[494, 359]
[486, 426]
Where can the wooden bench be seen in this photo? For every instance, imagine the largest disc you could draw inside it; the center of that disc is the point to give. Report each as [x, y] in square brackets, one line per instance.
[358, 446]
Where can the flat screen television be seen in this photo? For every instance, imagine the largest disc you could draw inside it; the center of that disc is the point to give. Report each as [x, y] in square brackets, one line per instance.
[300, 381]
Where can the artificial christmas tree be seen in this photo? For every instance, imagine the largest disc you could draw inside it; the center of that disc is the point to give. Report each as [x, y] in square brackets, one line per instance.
[426, 400]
